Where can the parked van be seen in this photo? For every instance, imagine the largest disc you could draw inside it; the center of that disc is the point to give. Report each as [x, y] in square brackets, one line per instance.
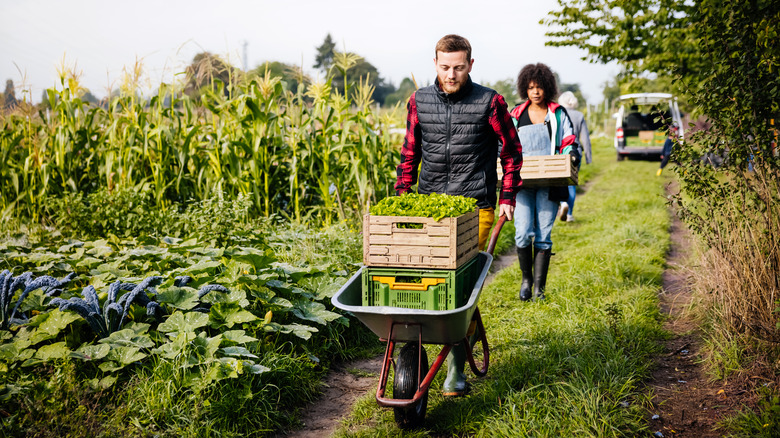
[637, 133]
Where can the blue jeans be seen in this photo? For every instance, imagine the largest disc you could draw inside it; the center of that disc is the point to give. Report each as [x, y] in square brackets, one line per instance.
[570, 201]
[573, 195]
[534, 218]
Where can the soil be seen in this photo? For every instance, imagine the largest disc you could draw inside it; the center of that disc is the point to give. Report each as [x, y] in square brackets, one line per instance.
[686, 402]
[344, 384]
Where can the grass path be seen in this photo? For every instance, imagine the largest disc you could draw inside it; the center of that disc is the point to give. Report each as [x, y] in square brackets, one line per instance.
[572, 365]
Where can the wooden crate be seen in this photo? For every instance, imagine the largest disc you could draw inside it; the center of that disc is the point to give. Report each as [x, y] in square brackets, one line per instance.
[444, 244]
[548, 170]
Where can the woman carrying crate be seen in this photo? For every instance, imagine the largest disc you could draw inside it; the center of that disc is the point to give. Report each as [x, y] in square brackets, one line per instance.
[544, 128]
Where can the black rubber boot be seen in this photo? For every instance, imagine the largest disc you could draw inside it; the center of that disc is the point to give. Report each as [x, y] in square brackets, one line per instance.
[525, 256]
[541, 263]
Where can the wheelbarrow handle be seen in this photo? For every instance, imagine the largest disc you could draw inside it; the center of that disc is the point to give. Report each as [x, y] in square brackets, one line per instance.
[494, 236]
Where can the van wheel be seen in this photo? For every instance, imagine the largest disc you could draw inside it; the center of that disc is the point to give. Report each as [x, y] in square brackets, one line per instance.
[621, 157]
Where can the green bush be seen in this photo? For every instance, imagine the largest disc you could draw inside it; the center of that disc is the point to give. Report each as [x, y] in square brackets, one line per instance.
[132, 213]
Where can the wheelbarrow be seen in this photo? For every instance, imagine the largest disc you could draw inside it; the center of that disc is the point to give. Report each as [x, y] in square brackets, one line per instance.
[457, 328]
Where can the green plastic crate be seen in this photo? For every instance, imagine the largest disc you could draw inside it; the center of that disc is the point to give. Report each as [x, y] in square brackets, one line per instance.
[426, 289]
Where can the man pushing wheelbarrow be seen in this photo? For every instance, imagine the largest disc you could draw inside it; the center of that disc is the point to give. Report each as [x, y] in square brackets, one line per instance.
[454, 131]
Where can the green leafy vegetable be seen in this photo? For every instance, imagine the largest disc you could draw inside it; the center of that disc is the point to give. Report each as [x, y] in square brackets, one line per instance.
[435, 205]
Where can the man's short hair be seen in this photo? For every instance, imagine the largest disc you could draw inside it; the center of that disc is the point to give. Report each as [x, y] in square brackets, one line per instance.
[453, 43]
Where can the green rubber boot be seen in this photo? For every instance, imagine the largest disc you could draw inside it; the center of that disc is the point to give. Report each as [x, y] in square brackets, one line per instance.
[455, 384]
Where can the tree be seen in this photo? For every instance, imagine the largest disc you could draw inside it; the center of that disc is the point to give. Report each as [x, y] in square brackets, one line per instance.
[402, 94]
[574, 88]
[611, 90]
[357, 69]
[292, 75]
[205, 69]
[507, 88]
[325, 52]
[641, 35]
[734, 207]
[9, 96]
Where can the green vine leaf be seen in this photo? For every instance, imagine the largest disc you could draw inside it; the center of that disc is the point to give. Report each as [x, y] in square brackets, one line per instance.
[91, 352]
[181, 323]
[183, 298]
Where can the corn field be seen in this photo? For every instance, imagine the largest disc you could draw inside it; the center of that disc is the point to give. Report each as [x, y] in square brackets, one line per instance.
[311, 154]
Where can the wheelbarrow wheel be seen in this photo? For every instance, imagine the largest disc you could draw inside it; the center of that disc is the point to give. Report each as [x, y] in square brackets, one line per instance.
[407, 380]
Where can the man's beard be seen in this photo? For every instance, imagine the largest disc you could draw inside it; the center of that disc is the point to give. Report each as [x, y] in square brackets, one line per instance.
[451, 88]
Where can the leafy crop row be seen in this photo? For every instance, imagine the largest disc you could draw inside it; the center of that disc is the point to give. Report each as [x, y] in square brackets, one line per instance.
[116, 308]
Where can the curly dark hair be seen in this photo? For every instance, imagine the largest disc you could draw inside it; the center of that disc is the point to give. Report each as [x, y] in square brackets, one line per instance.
[542, 75]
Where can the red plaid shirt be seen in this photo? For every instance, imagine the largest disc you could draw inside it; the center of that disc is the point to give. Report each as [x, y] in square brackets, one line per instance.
[501, 122]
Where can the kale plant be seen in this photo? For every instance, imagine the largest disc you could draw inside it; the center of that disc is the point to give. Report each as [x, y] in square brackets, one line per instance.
[111, 317]
[26, 283]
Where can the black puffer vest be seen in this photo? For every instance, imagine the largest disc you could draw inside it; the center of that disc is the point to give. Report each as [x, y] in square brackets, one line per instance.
[459, 147]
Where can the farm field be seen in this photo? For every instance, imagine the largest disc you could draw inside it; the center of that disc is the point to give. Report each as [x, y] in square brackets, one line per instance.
[169, 254]
[237, 330]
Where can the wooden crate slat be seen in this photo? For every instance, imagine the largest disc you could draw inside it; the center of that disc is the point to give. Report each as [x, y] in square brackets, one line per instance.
[443, 244]
[407, 240]
[434, 251]
[548, 170]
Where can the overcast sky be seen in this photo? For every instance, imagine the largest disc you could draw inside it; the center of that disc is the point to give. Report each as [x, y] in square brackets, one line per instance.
[102, 38]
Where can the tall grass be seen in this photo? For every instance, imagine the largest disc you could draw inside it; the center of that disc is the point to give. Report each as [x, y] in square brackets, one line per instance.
[572, 365]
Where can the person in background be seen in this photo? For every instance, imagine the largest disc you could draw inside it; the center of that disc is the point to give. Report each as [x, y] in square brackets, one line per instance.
[453, 129]
[544, 128]
[667, 149]
[570, 102]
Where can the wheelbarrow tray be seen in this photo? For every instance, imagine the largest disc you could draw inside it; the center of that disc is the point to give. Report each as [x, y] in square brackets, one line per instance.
[407, 325]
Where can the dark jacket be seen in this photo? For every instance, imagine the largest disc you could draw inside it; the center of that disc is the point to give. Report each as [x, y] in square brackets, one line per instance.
[454, 138]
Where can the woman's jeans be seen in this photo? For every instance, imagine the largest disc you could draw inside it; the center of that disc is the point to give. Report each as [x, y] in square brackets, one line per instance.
[572, 197]
[534, 218]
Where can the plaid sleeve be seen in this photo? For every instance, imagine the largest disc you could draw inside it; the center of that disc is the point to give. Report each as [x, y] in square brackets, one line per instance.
[411, 152]
[511, 152]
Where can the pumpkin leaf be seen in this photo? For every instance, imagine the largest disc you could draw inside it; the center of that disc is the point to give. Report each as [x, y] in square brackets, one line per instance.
[179, 322]
[91, 352]
[228, 315]
[53, 351]
[299, 330]
[315, 312]
[237, 336]
[128, 338]
[183, 298]
[237, 352]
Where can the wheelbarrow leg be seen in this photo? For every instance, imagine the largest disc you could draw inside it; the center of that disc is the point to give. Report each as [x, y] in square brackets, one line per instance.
[471, 340]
